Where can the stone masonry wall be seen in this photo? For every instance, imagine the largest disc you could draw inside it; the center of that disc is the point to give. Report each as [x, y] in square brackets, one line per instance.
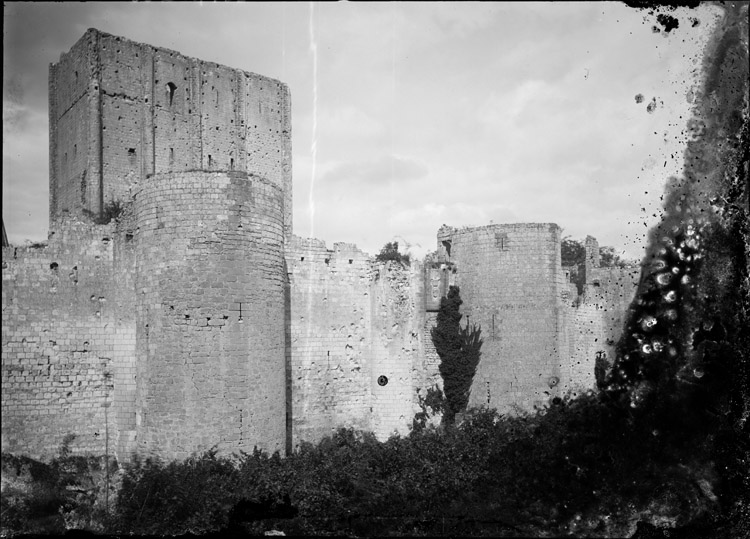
[120, 110]
[210, 314]
[72, 156]
[398, 346]
[609, 291]
[198, 320]
[68, 366]
[330, 340]
[352, 321]
[591, 324]
[508, 277]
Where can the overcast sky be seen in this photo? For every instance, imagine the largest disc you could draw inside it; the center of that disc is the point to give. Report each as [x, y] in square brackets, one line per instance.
[409, 116]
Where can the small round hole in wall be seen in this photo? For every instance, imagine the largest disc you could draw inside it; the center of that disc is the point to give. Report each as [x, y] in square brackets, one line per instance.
[382, 380]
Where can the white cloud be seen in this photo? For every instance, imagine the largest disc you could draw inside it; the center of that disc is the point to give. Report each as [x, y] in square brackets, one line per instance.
[427, 113]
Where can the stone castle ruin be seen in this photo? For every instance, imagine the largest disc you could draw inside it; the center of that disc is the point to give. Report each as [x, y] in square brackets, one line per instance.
[196, 319]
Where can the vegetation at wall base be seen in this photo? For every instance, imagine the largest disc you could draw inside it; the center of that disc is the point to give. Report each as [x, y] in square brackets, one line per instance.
[70, 492]
[582, 466]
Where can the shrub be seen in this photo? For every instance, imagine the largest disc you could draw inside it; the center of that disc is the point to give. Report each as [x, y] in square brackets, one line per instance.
[192, 496]
[112, 211]
[67, 493]
[390, 252]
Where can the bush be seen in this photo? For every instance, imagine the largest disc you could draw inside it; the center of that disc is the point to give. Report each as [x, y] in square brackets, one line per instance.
[68, 493]
[390, 252]
[112, 211]
[192, 496]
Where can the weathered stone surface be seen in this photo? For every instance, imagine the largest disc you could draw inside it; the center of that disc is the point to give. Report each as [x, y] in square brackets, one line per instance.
[210, 313]
[121, 110]
[197, 319]
[68, 342]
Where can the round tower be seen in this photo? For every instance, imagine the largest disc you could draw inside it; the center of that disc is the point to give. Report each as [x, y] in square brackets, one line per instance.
[210, 314]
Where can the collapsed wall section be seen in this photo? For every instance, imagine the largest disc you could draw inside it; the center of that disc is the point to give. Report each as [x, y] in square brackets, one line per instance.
[600, 316]
[592, 322]
[508, 276]
[121, 110]
[68, 343]
[210, 314]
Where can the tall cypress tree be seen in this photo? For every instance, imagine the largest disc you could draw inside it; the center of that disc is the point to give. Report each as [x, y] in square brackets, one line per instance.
[459, 351]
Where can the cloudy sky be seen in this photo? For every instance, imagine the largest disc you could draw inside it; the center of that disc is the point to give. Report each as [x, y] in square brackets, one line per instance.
[407, 116]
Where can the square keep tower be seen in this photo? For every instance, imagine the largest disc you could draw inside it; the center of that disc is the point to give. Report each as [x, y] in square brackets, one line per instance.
[120, 111]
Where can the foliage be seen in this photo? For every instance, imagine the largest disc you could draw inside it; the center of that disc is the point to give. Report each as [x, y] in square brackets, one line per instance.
[390, 252]
[608, 258]
[67, 493]
[192, 496]
[112, 211]
[572, 252]
[431, 405]
[582, 466]
[459, 350]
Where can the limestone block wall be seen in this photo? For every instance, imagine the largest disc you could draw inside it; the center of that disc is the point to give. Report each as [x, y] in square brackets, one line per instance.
[330, 338]
[356, 342]
[509, 279]
[73, 156]
[120, 110]
[398, 346]
[210, 314]
[68, 338]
